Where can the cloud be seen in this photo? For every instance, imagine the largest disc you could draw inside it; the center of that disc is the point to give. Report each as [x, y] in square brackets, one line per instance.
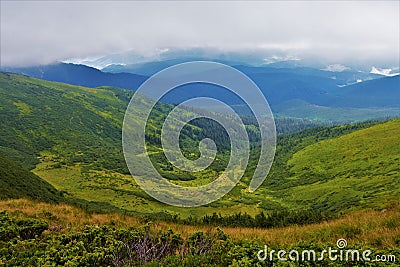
[336, 68]
[384, 72]
[34, 32]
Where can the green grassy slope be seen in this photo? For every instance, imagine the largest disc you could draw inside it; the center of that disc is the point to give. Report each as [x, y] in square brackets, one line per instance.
[357, 169]
[69, 124]
[71, 136]
[37, 115]
[17, 182]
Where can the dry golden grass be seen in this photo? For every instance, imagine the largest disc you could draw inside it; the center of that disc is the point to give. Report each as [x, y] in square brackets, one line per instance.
[380, 229]
[64, 216]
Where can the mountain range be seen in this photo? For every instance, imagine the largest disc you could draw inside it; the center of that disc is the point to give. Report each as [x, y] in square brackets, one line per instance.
[296, 91]
[70, 136]
[80, 75]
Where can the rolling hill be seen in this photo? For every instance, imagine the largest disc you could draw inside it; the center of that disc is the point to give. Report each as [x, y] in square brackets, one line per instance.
[17, 182]
[39, 116]
[354, 170]
[70, 136]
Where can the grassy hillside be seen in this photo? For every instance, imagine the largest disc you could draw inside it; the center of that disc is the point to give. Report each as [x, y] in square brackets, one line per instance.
[357, 169]
[71, 137]
[75, 124]
[72, 125]
[17, 182]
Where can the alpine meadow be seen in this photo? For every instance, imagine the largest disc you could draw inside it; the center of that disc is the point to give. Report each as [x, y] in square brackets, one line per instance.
[271, 133]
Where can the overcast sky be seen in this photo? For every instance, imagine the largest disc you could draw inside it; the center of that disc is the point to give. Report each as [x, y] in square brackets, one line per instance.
[34, 32]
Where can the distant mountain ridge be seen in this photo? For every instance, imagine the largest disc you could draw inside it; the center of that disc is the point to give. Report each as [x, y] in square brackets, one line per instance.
[310, 91]
[81, 75]
[383, 92]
